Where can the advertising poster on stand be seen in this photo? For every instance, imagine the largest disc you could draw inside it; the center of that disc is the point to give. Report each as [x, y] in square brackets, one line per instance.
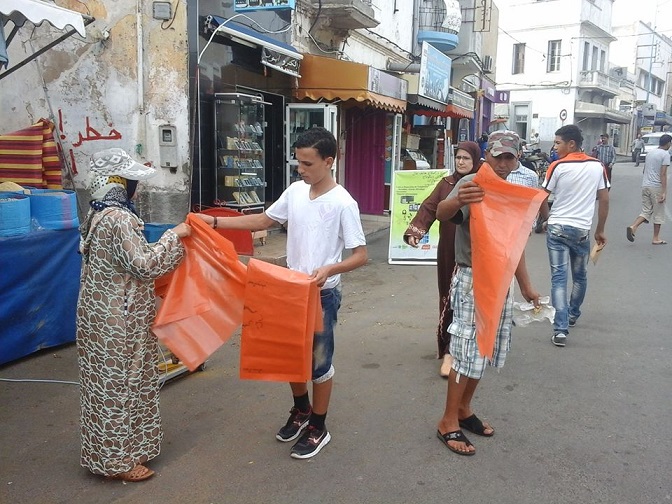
[409, 189]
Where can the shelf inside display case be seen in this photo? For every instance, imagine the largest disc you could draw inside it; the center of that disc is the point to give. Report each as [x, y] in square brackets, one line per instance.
[240, 156]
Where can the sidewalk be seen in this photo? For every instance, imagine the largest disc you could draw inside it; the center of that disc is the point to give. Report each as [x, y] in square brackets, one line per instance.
[274, 251]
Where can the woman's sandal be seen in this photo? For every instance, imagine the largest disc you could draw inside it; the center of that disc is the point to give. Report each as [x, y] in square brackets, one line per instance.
[457, 435]
[138, 473]
[474, 424]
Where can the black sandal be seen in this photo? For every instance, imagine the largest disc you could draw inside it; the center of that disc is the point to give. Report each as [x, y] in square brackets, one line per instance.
[474, 424]
[457, 435]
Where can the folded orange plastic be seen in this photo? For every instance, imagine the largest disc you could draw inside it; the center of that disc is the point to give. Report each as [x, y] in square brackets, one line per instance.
[203, 297]
[282, 312]
[500, 227]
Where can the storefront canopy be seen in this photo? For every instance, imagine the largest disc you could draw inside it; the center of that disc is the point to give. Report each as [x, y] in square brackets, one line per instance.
[424, 106]
[274, 54]
[36, 12]
[331, 79]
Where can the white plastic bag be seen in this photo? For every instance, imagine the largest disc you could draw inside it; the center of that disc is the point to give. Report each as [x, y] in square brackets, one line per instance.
[524, 313]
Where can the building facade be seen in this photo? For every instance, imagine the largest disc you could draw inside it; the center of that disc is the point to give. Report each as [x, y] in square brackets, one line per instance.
[644, 55]
[161, 81]
[553, 59]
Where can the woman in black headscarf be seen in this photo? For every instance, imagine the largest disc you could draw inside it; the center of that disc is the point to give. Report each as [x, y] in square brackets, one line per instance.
[467, 160]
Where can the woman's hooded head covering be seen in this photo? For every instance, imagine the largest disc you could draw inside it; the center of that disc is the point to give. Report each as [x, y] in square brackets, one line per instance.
[114, 178]
[114, 168]
[474, 151]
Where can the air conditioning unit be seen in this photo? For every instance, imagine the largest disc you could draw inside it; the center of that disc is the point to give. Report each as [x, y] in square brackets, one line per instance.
[487, 64]
[619, 72]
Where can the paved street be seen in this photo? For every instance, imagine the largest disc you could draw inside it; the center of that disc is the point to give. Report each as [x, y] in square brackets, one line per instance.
[583, 424]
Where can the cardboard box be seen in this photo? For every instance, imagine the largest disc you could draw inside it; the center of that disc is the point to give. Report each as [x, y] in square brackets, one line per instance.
[410, 141]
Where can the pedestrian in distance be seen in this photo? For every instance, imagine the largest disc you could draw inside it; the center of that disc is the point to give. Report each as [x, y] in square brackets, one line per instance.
[483, 143]
[637, 149]
[654, 191]
[117, 352]
[575, 180]
[467, 160]
[468, 365]
[605, 154]
[323, 220]
[522, 175]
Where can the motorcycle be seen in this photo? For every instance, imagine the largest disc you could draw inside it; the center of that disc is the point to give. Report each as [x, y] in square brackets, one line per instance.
[537, 161]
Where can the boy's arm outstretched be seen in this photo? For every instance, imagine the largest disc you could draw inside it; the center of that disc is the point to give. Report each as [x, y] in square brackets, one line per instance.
[253, 222]
[358, 258]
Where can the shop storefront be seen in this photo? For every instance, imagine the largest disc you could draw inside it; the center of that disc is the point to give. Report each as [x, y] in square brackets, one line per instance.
[243, 80]
[370, 104]
[486, 104]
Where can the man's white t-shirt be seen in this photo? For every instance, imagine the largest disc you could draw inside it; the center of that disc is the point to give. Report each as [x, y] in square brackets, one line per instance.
[574, 181]
[318, 230]
[655, 160]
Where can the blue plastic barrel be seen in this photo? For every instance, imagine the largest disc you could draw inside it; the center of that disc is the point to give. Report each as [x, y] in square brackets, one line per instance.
[54, 208]
[154, 231]
[14, 214]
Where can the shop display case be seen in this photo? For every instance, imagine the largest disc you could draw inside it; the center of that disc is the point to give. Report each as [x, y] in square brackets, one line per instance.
[303, 116]
[240, 158]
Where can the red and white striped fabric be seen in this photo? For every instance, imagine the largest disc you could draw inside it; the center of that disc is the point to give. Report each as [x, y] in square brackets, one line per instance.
[29, 157]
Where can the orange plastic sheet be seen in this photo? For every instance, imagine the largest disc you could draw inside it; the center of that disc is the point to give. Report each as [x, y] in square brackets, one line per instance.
[282, 311]
[203, 297]
[500, 226]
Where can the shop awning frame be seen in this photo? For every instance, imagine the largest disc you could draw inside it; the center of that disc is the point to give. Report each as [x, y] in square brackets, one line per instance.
[275, 54]
[36, 12]
[331, 79]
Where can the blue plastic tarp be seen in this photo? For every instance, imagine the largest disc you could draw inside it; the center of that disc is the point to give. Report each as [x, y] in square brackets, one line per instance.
[39, 285]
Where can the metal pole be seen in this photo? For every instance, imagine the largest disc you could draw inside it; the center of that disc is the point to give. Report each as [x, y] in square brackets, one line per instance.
[653, 49]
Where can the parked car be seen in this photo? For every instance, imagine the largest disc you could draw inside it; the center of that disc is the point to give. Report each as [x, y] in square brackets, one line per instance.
[651, 142]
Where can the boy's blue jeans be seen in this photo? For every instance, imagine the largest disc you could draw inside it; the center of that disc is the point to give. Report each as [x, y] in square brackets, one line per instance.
[567, 246]
[323, 342]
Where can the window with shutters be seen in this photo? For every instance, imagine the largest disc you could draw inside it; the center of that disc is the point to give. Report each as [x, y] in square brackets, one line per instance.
[518, 59]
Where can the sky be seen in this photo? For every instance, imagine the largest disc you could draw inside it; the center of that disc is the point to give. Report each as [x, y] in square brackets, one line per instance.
[658, 12]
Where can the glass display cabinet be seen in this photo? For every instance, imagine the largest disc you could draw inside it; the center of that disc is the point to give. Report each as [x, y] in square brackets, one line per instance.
[239, 137]
[299, 118]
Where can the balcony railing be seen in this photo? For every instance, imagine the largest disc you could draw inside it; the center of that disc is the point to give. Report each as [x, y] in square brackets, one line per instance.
[347, 14]
[432, 16]
[595, 110]
[598, 80]
[439, 26]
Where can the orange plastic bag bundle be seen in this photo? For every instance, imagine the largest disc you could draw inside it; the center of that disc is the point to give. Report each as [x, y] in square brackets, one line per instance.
[203, 302]
[282, 312]
[500, 226]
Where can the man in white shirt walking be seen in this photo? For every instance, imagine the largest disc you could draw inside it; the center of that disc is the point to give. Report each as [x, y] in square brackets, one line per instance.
[654, 189]
[575, 180]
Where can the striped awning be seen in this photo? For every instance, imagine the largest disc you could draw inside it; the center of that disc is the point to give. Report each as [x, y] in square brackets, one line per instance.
[29, 157]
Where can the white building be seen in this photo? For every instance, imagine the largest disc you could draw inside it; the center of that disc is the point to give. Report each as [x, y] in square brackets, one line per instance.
[645, 54]
[553, 57]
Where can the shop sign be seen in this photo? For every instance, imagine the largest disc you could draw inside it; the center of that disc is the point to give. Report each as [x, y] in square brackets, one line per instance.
[488, 88]
[387, 85]
[649, 109]
[258, 5]
[457, 97]
[435, 70]
[502, 97]
[281, 62]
